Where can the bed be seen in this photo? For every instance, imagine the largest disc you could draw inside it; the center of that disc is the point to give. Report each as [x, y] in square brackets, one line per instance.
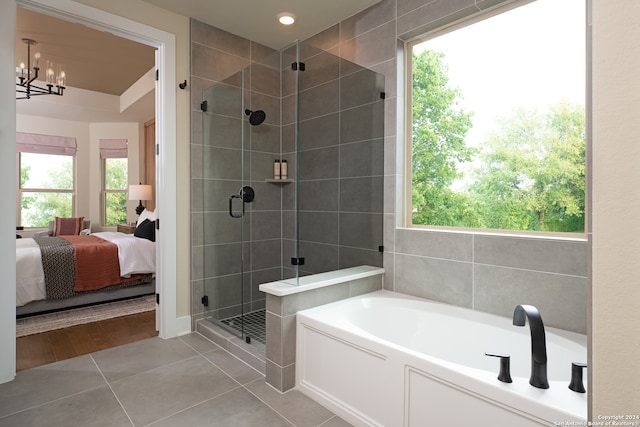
[67, 271]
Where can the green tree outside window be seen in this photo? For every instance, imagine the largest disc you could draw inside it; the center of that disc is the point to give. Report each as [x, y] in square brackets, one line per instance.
[528, 174]
[116, 182]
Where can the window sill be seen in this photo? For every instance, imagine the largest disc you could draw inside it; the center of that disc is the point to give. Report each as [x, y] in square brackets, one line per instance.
[575, 237]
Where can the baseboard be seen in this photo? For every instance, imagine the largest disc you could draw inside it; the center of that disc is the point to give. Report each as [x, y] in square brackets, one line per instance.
[183, 325]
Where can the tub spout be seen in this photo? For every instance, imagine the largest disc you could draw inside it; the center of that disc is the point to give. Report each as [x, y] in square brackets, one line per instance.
[538, 343]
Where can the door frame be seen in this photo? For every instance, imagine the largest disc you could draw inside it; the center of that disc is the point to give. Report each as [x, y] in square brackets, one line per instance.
[166, 124]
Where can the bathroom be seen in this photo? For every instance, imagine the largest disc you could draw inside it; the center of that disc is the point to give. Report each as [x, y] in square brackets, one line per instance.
[489, 273]
[563, 265]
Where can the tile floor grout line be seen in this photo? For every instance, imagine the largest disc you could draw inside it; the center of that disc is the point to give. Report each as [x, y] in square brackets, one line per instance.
[111, 389]
[157, 367]
[216, 347]
[192, 347]
[222, 370]
[268, 405]
[231, 377]
[244, 386]
[58, 398]
[51, 401]
[193, 406]
[197, 355]
[240, 385]
[325, 422]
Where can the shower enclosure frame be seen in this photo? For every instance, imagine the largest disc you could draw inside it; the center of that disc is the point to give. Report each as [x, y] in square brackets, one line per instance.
[300, 120]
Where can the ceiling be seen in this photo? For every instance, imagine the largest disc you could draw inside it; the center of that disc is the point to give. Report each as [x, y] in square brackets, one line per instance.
[93, 60]
[256, 19]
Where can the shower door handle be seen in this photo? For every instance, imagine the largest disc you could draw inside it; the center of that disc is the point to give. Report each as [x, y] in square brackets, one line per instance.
[235, 215]
[246, 195]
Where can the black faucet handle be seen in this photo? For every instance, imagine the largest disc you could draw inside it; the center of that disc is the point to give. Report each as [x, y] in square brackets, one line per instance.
[505, 366]
[576, 377]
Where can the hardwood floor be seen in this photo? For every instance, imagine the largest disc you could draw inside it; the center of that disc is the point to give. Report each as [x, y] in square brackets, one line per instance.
[48, 347]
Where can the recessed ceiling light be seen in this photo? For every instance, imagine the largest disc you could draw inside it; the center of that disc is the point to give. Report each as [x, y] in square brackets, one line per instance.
[286, 18]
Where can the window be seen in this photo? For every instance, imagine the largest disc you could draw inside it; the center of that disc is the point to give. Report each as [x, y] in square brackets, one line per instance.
[46, 185]
[498, 122]
[46, 189]
[115, 191]
[115, 180]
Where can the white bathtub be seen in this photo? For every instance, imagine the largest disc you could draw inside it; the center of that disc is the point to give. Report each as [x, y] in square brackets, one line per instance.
[386, 359]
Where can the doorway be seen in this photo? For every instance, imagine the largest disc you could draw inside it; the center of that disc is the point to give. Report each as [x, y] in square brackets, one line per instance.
[166, 123]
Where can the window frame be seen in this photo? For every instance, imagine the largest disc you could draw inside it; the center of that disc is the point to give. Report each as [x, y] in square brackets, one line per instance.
[105, 191]
[20, 190]
[407, 62]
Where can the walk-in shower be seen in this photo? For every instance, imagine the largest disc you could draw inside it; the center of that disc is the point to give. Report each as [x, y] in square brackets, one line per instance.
[251, 226]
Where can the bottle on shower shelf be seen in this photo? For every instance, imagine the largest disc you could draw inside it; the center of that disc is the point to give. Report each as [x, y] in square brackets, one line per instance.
[276, 169]
[284, 173]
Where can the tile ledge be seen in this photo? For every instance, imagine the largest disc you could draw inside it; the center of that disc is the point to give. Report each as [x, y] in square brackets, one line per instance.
[306, 283]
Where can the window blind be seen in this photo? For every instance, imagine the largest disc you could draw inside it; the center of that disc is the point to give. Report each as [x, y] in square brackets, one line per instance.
[113, 149]
[45, 144]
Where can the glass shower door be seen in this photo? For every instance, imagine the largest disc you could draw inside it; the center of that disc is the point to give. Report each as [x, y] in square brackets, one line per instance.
[339, 162]
[226, 206]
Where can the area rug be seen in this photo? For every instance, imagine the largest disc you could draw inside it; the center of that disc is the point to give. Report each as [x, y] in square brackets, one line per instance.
[79, 316]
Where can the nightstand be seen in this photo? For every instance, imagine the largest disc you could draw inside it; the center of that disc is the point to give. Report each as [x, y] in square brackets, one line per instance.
[127, 229]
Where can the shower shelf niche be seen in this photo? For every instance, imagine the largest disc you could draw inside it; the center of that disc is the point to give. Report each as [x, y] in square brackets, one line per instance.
[279, 181]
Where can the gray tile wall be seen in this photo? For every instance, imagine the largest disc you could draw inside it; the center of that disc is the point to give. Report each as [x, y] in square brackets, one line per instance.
[495, 273]
[340, 162]
[217, 61]
[340, 159]
[281, 324]
[487, 273]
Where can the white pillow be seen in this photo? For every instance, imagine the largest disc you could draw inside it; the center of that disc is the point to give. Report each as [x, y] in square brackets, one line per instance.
[150, 215]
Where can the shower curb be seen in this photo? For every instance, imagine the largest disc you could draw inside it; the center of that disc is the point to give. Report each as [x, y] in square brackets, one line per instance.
[232, 344]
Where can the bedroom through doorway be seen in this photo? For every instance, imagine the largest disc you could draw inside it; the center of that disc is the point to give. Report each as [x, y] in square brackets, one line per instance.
[120, 75]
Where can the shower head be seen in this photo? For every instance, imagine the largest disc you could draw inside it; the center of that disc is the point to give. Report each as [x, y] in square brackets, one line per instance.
[256, 117]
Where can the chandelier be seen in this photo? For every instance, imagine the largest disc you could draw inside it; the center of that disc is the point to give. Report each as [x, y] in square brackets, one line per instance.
[26, 76]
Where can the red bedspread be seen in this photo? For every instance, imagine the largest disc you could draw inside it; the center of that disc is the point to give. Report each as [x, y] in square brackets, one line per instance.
[97, 264]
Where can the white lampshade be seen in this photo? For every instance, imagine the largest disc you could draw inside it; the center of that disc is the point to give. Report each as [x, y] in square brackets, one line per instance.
[139, 192]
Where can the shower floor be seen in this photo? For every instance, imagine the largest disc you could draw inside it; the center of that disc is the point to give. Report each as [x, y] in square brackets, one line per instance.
[254, 325]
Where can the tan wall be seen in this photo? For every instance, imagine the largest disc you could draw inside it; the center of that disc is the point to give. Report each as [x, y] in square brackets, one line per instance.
[615, 305]
[170, 22]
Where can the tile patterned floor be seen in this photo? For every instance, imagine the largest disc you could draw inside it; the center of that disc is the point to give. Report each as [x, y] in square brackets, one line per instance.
[184, 381]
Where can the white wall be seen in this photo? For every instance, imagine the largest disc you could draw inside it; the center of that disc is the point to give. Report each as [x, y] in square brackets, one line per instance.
[615, 322]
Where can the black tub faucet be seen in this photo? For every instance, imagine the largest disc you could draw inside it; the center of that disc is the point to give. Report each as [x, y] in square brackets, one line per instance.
[538, 343]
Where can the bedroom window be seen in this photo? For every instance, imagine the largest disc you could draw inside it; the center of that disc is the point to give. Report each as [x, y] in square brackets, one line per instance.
[497, 130]
[46, 188]
[115, 191]
[46, 185]
[115, 179]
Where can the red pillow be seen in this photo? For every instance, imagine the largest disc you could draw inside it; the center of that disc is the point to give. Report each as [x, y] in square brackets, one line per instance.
[68, 226]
